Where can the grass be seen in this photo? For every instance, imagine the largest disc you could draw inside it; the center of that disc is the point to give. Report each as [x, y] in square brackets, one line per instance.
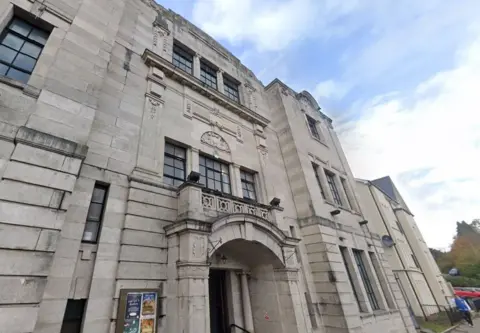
[436, 327]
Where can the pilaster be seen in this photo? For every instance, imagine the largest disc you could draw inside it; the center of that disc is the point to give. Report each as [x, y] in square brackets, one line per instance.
[196, 65]
[220, 86]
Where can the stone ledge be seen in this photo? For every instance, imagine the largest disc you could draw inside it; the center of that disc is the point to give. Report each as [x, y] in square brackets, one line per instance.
[26, 89]
[32, 137]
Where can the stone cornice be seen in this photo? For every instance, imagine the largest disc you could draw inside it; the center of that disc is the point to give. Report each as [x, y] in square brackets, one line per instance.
[153, 59]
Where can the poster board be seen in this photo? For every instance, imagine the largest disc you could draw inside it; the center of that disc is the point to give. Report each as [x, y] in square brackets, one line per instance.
[138, 310]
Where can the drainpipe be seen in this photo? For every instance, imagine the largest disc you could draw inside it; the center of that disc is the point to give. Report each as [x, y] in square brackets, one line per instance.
[396, 250]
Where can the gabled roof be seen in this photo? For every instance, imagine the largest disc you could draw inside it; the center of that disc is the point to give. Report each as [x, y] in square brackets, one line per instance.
[388, 187]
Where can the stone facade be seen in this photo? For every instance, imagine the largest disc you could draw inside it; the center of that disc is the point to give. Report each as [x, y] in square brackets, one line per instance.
[425, 289]
[88, 207]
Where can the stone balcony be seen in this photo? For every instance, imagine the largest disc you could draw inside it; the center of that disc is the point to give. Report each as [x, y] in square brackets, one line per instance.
[198, 203]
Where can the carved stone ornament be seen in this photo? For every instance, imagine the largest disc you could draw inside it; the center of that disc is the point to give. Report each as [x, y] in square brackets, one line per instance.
[199, 246]
[153, 107]
[239, 133]
[215, 140]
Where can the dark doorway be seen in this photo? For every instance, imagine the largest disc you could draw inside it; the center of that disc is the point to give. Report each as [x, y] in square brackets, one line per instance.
[218, 301]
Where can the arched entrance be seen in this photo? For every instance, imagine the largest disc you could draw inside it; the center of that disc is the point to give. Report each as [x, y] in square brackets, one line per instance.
[239, 270]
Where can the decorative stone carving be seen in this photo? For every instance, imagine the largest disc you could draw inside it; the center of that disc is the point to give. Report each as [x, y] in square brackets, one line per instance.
[153, 107]
[263, 156]
[215, 140]
[251, 96]
[188, 112]
[199, 246]
[285, 91]
[239, 133]
[215, 111]
[157, 33]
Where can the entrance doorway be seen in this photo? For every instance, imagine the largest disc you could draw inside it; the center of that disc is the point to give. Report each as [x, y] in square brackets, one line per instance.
[218, 301]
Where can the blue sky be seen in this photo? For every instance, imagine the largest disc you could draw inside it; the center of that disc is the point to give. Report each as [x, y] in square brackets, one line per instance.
[401, 79]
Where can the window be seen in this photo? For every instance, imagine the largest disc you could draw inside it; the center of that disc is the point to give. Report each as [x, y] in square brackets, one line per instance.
[345, 189]
[72, 319]
[214, 175]
[182, 59]
[366, 279]
[95, 214]
[248, 185]
[382, 279]
[315, 169]
[333, 187]
[174, 165]
[344, 252]
[208, 75]
[312, 124]
[20, 47]
[231, 89]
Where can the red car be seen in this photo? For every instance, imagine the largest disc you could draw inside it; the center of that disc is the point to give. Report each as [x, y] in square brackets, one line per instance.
[469, 294]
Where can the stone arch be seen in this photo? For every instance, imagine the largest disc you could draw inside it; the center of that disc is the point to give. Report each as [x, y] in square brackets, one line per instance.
[309, 98]
[250, 228]
[215, 140]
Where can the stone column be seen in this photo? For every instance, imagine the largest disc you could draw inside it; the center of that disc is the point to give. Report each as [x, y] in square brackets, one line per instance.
[220, 80]
[247, 306]
[151, 142]
[196, 65]
[195, 163]
[235, 180]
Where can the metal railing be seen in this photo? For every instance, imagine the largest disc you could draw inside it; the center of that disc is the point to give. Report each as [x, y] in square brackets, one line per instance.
[439, 314]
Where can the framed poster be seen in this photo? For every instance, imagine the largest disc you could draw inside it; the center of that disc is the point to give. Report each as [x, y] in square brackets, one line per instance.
[138, 310]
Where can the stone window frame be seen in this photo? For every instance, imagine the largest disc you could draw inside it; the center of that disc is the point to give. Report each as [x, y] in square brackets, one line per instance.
[246, 182]
[333, 186]
[317, 169]
[365, 275]
[215, 171]
[314, 128]
[181, 55]
[93, 221]
[382, 279]
[231, 88]
[12, 11]
[175, 158]
[349, 195]
[208, 74]
[26, 39]
[353, 279]
[71, 316]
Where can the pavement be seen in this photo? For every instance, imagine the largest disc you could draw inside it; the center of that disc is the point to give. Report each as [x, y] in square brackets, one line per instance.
[464, 328]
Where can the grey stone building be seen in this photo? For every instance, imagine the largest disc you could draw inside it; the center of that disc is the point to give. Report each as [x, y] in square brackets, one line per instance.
[150, 183]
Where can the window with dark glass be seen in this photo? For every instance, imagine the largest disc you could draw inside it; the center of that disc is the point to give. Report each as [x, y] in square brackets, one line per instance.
[312, 124]
[344, 252]
[316, 170]
[208, 75]
[20, 47]
[248, 185]
[95, 214]
[214, 174]
[381, 278]
[174, 164]
[231, 89]
[366, 279]
[333, 187]
[72, 319]
[182, 59]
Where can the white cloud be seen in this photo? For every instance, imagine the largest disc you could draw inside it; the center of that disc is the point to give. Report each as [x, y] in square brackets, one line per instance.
[329, 89]
[437, 128]
[270, 25]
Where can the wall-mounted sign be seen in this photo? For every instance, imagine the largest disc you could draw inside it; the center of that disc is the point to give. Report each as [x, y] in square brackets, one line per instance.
[138, 311]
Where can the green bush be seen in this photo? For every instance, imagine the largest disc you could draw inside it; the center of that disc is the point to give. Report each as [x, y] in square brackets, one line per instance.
[463, 281]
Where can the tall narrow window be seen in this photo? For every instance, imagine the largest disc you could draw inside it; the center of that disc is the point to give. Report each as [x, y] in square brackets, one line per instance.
[95, 214]
[248, 185]
[208, 75]
[312, 125]
[72, 319]
[344, 252]
[382, 279]
[231, 89]
[174, 165]
[182, 59]
[333, 187]
[317, 175]
[214, 174]
[366, 279]
[20, 47]
[345, 189]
